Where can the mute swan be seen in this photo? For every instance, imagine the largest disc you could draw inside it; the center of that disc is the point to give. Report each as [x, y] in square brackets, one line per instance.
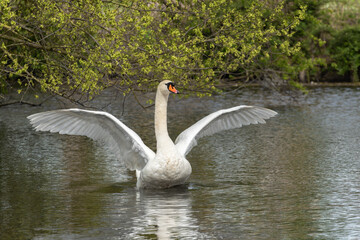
[168, 167]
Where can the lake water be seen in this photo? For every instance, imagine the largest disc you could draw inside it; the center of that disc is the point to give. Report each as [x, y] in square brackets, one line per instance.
[296, 177]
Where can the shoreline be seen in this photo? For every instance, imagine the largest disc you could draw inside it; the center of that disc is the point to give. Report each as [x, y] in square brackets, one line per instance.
[233, 85]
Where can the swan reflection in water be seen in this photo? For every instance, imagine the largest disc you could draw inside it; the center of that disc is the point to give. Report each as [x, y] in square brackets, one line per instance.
[167, 214]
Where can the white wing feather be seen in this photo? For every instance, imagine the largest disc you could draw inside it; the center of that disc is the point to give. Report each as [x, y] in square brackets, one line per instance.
[224, 119]
[125, 143]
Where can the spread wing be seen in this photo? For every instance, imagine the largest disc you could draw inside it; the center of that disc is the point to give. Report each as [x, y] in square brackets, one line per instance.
[221, 120]
[123, 141]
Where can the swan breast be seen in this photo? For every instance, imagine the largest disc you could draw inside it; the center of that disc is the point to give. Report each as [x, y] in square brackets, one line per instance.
[164, 171]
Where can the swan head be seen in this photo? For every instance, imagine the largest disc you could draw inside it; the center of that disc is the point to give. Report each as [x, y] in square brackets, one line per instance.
[166, 87]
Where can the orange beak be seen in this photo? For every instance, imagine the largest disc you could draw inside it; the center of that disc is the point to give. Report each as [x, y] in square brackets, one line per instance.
[173, 89]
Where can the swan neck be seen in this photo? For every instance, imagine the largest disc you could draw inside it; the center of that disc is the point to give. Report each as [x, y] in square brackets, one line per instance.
[161, 130]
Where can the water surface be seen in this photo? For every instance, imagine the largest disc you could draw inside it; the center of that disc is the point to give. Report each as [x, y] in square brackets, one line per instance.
[297, 177]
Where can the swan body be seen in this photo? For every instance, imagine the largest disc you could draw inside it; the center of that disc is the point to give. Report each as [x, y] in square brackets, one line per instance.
[169, 166]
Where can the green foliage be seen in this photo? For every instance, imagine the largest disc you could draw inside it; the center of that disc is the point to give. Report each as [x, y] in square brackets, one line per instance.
[84, 46]
[309, 43]
[78, 48]
[329, 38]
[345, 50]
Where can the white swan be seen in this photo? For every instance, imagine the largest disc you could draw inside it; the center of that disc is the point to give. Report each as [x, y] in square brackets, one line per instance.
[168, 167]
